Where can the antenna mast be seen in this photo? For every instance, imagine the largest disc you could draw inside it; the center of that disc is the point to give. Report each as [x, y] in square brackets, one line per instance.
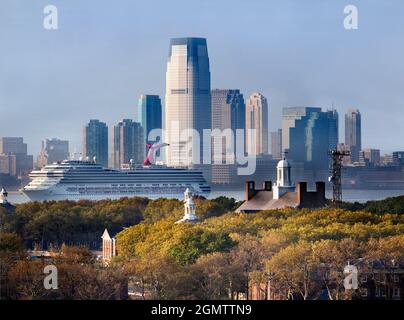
[336, 175]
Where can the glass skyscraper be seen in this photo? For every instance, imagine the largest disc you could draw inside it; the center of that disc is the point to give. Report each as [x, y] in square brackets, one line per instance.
[149, 114]
[228, 112]
[128, 143]
[188, 99]
[95, 141]
[353, 139]
[307, 135]
[333, 128]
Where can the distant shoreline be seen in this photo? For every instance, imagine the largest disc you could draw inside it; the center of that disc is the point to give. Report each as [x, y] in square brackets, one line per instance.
[349, 195]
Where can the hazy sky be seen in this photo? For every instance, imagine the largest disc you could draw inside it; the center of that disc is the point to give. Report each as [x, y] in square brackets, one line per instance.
[105, 53]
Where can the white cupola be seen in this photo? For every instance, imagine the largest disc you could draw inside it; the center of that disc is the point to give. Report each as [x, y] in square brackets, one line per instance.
[284, 179]
[283, 170]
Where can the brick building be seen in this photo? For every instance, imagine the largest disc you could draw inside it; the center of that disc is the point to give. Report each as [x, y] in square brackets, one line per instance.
[283, 193]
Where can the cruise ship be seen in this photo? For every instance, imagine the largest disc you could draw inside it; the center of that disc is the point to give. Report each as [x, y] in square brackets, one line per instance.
[78, 180]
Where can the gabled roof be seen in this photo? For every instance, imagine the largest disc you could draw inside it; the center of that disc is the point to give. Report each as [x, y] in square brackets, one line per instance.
[263, 200]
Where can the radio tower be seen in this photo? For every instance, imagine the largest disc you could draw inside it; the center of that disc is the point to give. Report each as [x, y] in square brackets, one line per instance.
[335, 177]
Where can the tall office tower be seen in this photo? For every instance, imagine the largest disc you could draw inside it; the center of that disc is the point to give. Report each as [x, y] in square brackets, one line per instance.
[188, 100]
[95, 141]
[257, 118]
[128, 143]
[228, 112]
[306, 136]
[15, 150]
[276, 144]
[53, 150]
[353, 138]
[149, 114]
[333, 121]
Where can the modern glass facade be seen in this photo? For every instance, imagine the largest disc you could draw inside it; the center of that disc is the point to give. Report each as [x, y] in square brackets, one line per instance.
[188, 99]
[95, 141]
[333, 121]
[228, 112]
[353, 137]
[149, 115]
[306, 135]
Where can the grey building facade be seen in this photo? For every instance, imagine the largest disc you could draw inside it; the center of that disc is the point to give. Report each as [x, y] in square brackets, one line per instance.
[353, 133]
[228, 112]
[276, 144]
[53, 150]
[128, 143]
[95, 141]
[14, 154]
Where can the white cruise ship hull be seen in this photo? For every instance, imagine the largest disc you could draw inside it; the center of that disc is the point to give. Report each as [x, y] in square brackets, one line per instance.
[84, 180]
[58, 193]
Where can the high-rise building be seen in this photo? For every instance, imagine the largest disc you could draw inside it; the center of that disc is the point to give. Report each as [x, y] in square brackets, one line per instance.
[95, 141]
[371, 156]
[53, 150]
[398, 157]
[13, 145]
[228, 112]
[257, 119]
[276, 144]
[353, 133]
[15, 150]
[128, 143]
[306, 135]
[333, 135]
[8, 164]
[188, 99]
[149, 114]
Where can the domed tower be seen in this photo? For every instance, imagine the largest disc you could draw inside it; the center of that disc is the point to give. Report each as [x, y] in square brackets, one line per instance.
[284, 179]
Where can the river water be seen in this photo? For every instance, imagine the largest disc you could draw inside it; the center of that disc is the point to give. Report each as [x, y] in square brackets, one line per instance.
[348, 195]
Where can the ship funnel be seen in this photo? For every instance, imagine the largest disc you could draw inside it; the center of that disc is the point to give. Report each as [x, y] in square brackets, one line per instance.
[95, 159]
[150, 158]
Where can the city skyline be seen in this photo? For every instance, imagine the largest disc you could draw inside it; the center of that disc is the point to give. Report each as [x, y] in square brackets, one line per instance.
[41, 85]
